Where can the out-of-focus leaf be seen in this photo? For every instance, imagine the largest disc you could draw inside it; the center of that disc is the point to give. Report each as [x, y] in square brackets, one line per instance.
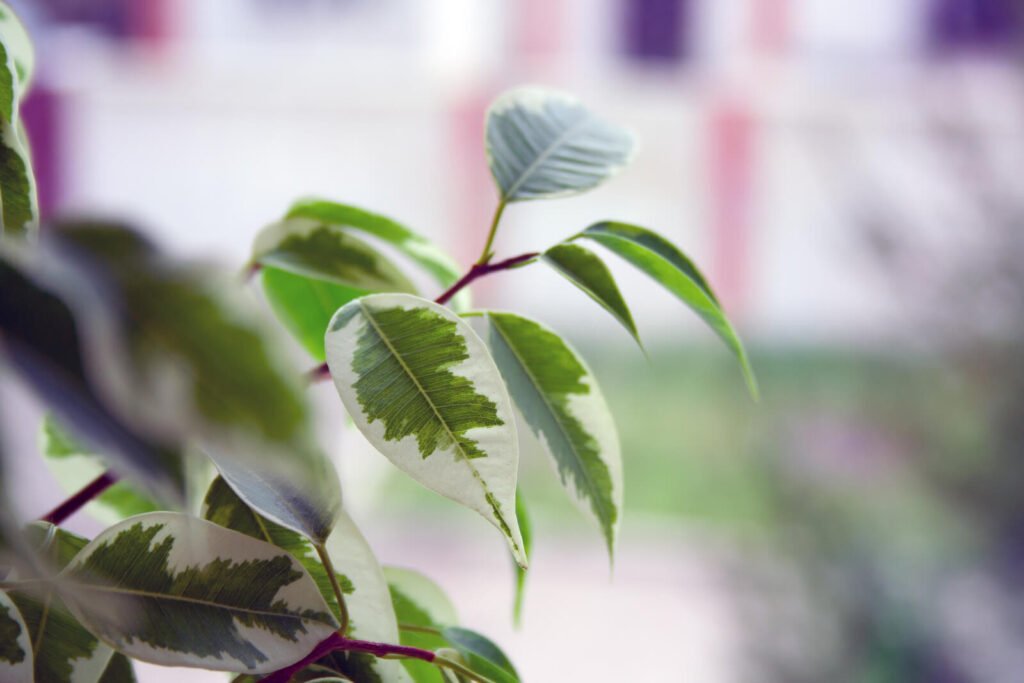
[173, 352]
[527, 528]
[119, 670]
[543, 143]
[15, 645]
[64, 651]
[421, 250]
[18, 46]
[226, 601]
[18, 204]
[422, 610]
[406, 367]
[74, 466]
[41, 342]
[564, 408]
[584, 269]
[311, 269]
[669, 267]
[481, 654]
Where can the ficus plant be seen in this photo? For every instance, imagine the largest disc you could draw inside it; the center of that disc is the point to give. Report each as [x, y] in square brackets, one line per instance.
[175, 417]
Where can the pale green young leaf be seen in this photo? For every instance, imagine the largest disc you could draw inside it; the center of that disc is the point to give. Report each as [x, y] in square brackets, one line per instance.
[15, 645]
[225, 601]
[64, 651]
[564, 408]
[310, 269]
[661, 260]
[422, 610]
[421, 386]
[543, 143]
[175, 353]
[421, 250]
[584, 269]
[369, 604]
[74, 465]
[481, 654]
[526, 526]
[42, 343]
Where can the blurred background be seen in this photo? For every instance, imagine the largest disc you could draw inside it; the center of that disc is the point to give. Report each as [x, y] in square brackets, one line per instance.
[849, 176]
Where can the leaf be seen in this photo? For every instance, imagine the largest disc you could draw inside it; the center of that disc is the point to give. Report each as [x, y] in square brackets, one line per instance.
[20, 211]
[15, 648]
[225, 601]
[418, 248]
[43, 345]
[74, 466]
[369, 604]
[173, 352]
[543, 144]
[584, 269]
[222, 506]
[565, 409]
[422, 610]
[481, 654]
[527, 529]
[305, 306]
[660, 259]
[420, 385]
[311, 269]
[64, 651]
[18, 44]
[119, 670]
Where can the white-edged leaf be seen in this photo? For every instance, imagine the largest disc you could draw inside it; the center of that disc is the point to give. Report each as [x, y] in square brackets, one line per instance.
[673, 270]
[64, 651]
[18, 44]
[225, 601]
[369, 603]
[15, 644]
[422, 388]
[543, 143]
[563, 406]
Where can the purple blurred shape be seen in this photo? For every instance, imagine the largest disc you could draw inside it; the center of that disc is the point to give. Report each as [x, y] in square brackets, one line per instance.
[655, 29]
[987, 25]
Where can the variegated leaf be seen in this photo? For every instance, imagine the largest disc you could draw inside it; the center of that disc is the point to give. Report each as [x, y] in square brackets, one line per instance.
[64, 651]
[225, 601]
[421, 250]
[18, 202]
[18, 45]
[74, 466]
[584, 269]
[15, 646]
[673, 270]
[42, 344]
[310, 269]
[543, 143]
[421, 386]
[172, 351]
[564, 408]
[369, 604]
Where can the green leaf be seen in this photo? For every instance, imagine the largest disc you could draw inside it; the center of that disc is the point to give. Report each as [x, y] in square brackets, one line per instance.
[527, 528]
[305, 306]
[222, 506]
[311, 269]
[420, 385]
[43, 345]
[369, 605]
[20, 211]
[174, 352]
[543, 144]
[225, 601]
[669, 267]
[64, 651]
[481, 654]
[74, 466]
[119, 670]
[422, 610]
[565, 409]
[15, 647]
[584, 269]
[418, 248]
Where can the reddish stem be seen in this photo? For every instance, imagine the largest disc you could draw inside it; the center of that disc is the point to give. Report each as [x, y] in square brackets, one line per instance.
[335, 642]
[478, 270]
[78, 501]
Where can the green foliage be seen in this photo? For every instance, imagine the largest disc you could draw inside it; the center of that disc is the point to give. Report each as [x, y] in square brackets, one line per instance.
[150, 363]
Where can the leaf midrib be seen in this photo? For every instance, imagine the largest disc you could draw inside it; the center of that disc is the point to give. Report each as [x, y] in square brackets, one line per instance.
[561, 425]
[543, 156]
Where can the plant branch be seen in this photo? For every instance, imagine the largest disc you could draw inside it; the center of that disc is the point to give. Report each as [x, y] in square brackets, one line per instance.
[477, 271]
[333, 576]
[76, 502]
[486, 254]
